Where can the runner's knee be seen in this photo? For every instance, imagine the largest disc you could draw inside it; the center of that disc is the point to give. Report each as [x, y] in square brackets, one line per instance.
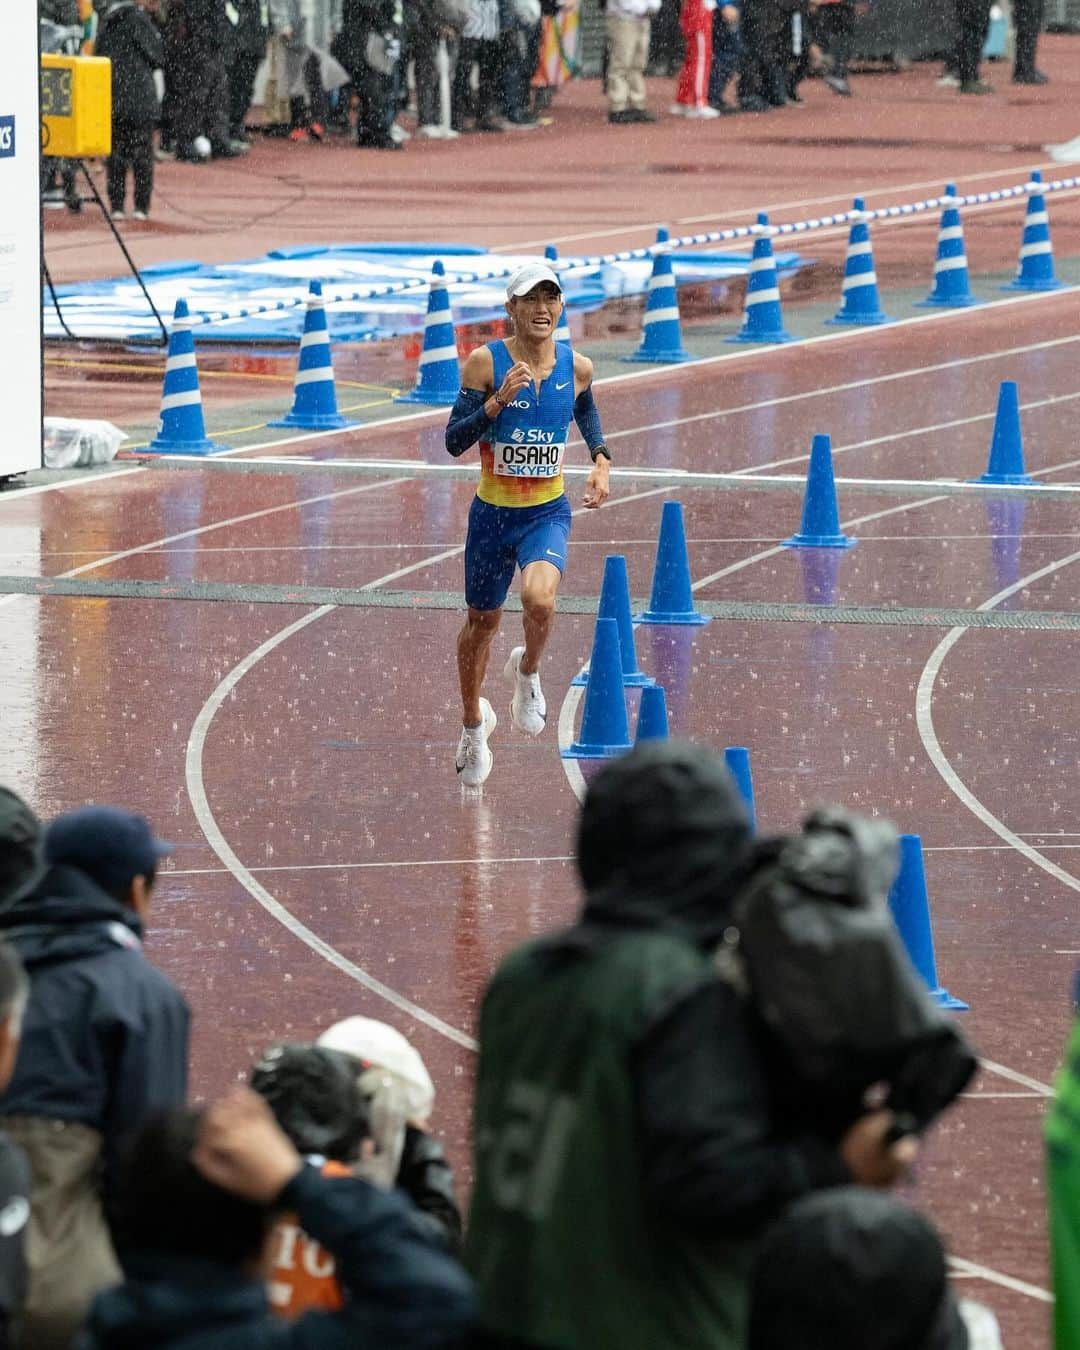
[483, 623]
[538, 602]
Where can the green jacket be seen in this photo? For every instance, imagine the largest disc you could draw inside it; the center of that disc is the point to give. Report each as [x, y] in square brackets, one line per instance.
[1063, 1176]
[562, 1243]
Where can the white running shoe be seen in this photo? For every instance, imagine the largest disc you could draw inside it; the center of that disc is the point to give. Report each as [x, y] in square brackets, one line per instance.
[528, 710]
[473, 760]
[702, 110]
[678, 109]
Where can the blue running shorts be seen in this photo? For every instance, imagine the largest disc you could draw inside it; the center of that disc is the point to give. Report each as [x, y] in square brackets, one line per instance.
[501, 538]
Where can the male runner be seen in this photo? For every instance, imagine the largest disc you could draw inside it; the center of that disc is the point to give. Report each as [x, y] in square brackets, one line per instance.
[516, 399]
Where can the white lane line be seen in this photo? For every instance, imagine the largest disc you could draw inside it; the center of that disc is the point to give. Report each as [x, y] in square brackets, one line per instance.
[772, 208]
[847, 524]
[1004, 1096]
[924, 718]
[350, 866]
[971, 1270]
[853, 386]
[196, 788]
[207, 823]
[200, 530]
[986, 848]
[36, 489]
[1014, 1076]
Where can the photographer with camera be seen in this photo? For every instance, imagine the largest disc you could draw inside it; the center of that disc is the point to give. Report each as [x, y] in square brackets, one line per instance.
[349, 1115]
[638, 1121]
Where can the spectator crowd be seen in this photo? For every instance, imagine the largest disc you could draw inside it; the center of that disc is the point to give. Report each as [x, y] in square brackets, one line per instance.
[689, 1120]
[186, 70]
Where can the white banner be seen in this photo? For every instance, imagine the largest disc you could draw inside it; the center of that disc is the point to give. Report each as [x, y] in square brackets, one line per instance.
[20, 242]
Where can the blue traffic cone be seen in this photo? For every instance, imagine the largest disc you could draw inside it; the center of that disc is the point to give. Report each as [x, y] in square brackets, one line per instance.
[1035, 269]
[1006, 464]
[820, 526]
[562, 328]
[661, 334]
[615, 604]
[951, 287]
[438, 377]
[911, 912]
[763, 320]
[652, 723]
[737, 759]
[314, 396]
[672, 599]
[181, 429]
[605, 730]
[861, 303]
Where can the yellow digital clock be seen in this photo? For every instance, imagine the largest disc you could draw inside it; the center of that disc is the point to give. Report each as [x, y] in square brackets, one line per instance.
[76, 105]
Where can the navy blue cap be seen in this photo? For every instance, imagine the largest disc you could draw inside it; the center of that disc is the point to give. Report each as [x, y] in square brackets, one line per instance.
[110, 845]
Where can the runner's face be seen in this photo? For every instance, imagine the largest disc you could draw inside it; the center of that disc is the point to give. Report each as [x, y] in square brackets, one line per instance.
[536, 314]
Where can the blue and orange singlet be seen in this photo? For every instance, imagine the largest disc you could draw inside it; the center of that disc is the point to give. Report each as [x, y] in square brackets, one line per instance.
[521, 462]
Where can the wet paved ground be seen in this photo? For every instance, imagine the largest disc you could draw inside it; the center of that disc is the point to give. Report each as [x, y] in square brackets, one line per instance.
[299, 752]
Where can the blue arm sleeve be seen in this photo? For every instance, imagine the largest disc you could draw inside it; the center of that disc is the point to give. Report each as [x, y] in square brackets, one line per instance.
[468, 421]
[587, 417]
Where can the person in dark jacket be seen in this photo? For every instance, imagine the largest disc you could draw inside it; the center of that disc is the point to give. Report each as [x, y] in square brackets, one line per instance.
[198, 85]
[630, 1145]
[197, 1206]
[851, 1269]
[14, 1169]
[246, 48]
[132, 42]
[1028, 16]
[105, 1041]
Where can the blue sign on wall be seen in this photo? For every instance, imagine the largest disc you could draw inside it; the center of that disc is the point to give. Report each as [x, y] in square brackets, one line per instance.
[7, 137]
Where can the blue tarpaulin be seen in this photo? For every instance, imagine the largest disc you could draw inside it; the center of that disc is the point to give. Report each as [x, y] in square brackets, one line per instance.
[227, 300]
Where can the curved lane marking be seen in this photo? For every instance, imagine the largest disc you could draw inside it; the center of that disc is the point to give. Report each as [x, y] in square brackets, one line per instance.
[196, 788]
[924, 719]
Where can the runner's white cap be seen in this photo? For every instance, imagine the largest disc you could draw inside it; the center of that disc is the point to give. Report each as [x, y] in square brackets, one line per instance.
[532, 274]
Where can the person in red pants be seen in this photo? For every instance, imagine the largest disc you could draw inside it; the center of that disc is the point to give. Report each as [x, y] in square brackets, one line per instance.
[692, 91]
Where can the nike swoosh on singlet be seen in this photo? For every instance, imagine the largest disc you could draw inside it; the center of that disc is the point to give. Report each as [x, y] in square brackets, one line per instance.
[562, 386]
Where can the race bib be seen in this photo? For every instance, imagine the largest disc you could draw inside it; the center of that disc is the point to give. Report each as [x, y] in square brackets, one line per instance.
[528, 459]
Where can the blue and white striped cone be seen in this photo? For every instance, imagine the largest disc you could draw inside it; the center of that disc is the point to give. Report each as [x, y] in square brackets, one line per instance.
[763, 319]
[661, 333]
[562, 331]
[951, 287]
[1035, 268]
[438, 377]
[181, 429]
[314, 397]
[861, 304]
